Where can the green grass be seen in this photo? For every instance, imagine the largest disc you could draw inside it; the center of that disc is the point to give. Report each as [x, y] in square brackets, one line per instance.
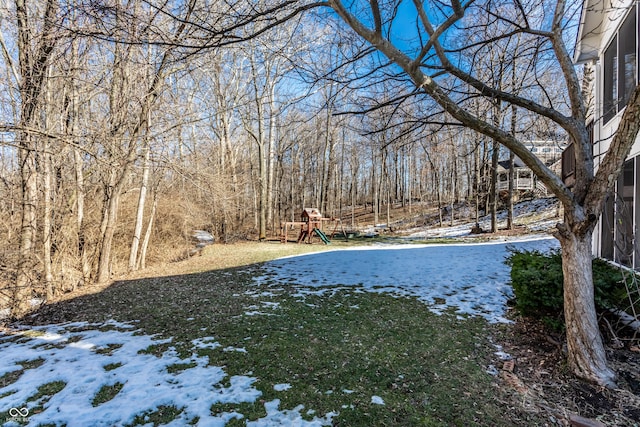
[164, 415]
[179, 367]
[106, 393]
[13, 376]
[352, 346]
[112, 366]
[336, 351]
[108, 349]
[44, 394]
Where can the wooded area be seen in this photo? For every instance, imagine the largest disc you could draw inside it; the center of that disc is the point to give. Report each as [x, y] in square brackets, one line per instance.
[127, 125]
[121, 137]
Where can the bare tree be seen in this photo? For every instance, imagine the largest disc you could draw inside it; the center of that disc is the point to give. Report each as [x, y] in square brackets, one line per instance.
[34, 61]
[123, 129]
[583, 204]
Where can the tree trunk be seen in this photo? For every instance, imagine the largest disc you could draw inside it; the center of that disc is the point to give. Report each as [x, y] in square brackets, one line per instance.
[271, 155]
[142, 260]
[82, 247]
[375, 188]
[586, 355]
[389, 199]
[476, 174]
[454, 182]
[511, 191]
[328, 161]
[33, 72]
[262, 190]
[21, 292]
[137, 232]
[109, 218]
[493, 196]
[46, 221]
[514, 116]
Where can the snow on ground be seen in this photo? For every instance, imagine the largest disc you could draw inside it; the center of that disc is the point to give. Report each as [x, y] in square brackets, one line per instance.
[537, 215]
[377, 400]
[471, 278]
[87, 357]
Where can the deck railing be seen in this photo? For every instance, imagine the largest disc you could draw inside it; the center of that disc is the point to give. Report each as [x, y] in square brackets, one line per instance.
[518, 184]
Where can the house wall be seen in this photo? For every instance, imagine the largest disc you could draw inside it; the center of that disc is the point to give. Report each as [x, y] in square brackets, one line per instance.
[613, 237]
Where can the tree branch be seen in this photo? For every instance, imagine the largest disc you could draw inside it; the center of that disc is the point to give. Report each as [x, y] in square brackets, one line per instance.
[421, 80]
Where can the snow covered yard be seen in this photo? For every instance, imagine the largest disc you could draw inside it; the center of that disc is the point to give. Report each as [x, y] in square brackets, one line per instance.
[312, 339]
[471, 279]
[109, 374]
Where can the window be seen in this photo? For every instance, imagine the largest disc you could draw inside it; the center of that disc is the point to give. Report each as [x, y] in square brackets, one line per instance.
[610, 80]
[620, 67]
[623, 249]
[627, 58]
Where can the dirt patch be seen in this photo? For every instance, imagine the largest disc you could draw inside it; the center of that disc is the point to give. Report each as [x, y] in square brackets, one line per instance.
[538, 375]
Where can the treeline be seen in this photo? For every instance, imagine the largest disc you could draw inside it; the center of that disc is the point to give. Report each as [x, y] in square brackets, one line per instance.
[127, 126]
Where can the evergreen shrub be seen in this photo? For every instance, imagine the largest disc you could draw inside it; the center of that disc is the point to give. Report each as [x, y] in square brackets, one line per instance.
[537, 278]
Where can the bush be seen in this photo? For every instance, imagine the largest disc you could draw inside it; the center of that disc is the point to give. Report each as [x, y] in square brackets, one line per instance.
[537, 283]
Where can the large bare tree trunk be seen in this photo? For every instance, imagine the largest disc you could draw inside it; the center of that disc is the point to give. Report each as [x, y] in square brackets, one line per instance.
[47, 196]
[587, 357]
[327, 162]
[263, 201]
[584, 202]
[514, 116]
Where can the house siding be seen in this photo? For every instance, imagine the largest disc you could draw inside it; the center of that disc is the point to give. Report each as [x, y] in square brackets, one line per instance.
[614, 234]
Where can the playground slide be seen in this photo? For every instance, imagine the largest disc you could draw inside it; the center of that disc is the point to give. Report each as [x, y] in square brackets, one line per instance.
[322, 236]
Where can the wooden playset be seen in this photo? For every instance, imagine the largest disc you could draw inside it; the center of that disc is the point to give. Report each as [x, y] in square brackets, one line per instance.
[312, 223]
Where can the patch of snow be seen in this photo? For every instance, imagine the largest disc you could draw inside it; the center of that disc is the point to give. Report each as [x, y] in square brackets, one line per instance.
[377, 400]
[492, 370]
[33, 302]
[501, 354]
[470, 278]
[282, 387]
[537, 215]
[270, 304]
[288, 418]
[74, 353]
[258, 313]
[202, 236]
[206, 342]
[237, 349]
